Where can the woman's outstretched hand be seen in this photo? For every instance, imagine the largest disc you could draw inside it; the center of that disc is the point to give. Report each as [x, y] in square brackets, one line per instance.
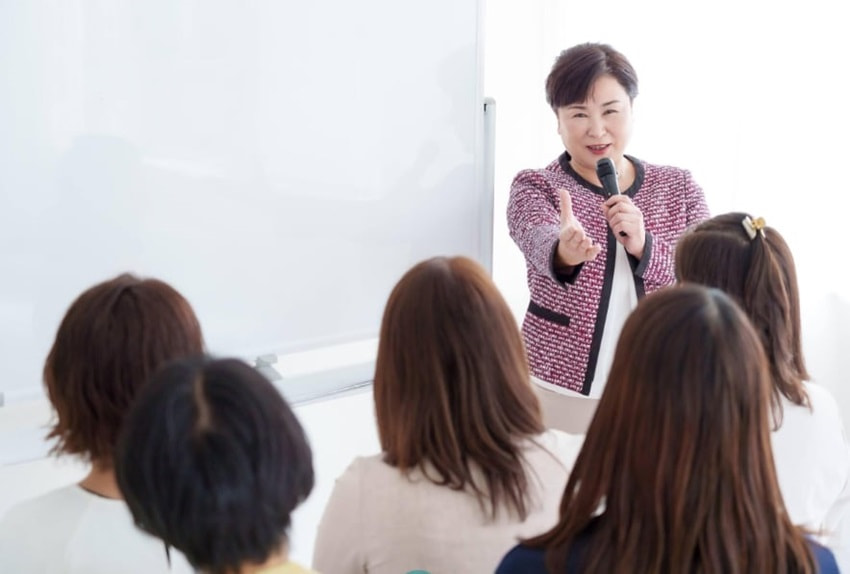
[574, 245]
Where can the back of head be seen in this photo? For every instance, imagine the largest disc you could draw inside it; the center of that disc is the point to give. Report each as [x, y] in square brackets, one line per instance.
[757, 269]
[452, 385]
[577, 69]
[679, 449]
[213, 461]
[113, 337]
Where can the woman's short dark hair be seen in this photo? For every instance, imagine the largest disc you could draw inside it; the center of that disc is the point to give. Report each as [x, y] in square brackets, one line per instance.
[760, 274]
[113, 337]
[577, 69]
[452, 388]
[678, 452]
[213, 461]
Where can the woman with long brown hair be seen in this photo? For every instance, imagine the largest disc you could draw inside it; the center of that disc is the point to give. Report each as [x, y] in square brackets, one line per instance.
[467, 466]
[752, 263]
[676, 473]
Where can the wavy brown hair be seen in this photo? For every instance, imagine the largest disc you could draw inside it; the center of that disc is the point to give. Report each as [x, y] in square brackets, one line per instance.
[452, 388]
[678, 454]
[760, 275]
[112, 338]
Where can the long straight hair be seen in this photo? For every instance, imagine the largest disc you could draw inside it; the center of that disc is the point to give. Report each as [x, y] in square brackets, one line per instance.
[759, 273]
[678, 454]
[452, 388]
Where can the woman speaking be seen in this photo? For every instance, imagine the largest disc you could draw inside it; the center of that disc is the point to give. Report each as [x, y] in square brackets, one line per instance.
[590, 251]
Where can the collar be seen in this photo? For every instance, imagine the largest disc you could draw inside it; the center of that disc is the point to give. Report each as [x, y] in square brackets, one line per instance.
[564, 162]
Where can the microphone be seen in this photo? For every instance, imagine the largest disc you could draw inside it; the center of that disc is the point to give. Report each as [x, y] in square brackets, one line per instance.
[607, 175]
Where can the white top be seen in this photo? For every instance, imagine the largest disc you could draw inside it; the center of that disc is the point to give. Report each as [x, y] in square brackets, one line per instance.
[72, 531]
[380, 521]
[623, 300]
[813, 466]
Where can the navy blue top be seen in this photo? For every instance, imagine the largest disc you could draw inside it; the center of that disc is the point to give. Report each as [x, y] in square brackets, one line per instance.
[525, 560]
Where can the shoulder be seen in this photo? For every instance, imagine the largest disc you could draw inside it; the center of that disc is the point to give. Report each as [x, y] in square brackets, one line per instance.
[563, 446]
[72, 523]
[669, 174]
[522, 559]
[546, 176]
[59, 501]
[824, 414]
[824, 559]
[368, 479]
[821, 399]
[660, 168]
[365, 468]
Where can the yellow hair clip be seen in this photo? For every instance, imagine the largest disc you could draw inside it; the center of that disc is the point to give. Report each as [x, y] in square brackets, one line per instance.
[753, 226]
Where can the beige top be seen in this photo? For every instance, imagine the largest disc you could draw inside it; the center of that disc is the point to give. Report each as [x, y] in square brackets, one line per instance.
[380, 521]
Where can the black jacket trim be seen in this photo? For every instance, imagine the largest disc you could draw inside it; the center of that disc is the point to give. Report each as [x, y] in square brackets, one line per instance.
[601, 314]
[639, 267]
[640, 174]
[548, 314]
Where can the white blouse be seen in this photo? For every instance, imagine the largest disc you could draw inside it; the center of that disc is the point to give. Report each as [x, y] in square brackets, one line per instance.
[73, 531]
[813, 466]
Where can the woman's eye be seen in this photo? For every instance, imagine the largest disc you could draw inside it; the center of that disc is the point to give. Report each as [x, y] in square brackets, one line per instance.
[610, 112]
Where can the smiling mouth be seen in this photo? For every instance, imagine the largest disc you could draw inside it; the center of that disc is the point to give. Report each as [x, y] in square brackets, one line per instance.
[598, 149]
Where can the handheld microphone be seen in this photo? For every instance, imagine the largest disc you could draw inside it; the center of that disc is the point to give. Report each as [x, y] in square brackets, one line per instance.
[607, 175]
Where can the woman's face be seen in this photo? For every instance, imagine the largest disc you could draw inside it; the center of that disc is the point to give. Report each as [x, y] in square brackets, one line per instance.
[601, 126]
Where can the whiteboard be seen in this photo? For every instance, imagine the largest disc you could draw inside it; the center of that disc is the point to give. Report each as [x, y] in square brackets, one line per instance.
[280, 163]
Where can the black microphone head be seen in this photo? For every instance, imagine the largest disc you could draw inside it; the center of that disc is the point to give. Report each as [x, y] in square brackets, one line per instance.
[605, 168]
[607, 174]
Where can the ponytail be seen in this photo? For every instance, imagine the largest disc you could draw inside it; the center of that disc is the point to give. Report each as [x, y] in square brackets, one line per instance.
[771, 299]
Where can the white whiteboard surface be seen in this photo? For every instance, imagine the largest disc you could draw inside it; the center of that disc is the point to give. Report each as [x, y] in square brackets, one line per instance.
[280, 163]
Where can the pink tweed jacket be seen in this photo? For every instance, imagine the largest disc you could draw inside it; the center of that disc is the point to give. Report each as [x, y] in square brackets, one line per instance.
[563, 326]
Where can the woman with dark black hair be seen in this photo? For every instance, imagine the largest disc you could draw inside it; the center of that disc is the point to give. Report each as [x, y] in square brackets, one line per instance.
[213, 461]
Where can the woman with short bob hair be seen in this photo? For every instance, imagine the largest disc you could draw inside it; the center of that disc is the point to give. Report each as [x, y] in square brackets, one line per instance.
[466, 466]
[751, 262]
[676, 472]
[213, 461]
[112, 338]
[597, 226]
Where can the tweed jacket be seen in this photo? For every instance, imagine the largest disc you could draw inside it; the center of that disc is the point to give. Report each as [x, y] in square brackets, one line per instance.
[563, 326]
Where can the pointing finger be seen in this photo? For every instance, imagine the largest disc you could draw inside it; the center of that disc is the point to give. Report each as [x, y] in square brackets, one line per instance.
[566, 205]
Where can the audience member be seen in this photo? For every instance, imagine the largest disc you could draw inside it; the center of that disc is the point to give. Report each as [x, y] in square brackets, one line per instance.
[213, 461]
[113, 337]
[753, 263]
[467, 465]
[676, 473]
